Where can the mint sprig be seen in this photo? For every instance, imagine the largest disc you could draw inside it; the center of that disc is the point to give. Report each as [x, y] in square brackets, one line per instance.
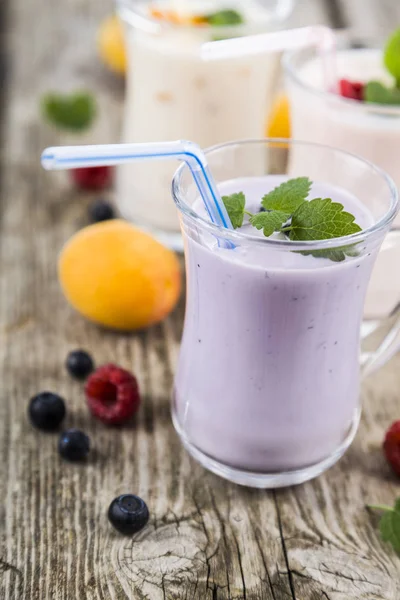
[288, 211]
[74, 112]
[224, 18]
[389, 524]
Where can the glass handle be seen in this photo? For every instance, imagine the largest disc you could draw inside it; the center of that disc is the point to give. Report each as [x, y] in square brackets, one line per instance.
[383, 342]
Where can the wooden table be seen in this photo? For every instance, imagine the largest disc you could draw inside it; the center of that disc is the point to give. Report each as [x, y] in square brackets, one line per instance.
[207, 539]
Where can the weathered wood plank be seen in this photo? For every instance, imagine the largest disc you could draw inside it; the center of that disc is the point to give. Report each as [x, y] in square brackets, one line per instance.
[312, 12]
[369, 20]
[207, 539]
[336, 14]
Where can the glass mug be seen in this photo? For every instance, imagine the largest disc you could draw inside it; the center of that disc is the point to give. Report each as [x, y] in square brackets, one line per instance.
[172, 93]
[266, 392]
[369, 130]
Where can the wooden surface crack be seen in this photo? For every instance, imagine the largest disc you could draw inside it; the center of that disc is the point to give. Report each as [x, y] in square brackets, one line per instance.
[264, 562]
[200, 513]
[6, 566]
[224, 536]
[284, 550]
[239, 556]
[348, 577]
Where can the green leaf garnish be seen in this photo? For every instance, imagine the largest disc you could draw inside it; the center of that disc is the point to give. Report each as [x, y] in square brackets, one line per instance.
[235, 204]
[288, 196]
[269, 221]
[224, 18]
[75, 112]
[391, 55]
[288, 211]
[335, 254]
[321, 219]
[376, 93]
[389, 525]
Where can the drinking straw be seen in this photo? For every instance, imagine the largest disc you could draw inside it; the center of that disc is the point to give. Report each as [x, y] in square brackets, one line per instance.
[72, 157]
[290, 39]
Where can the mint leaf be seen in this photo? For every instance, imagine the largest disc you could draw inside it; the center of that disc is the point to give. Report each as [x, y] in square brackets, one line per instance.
[335, 254]
[389, 525]
[269, 221]
[376, 93]
[391, 55]
[75, 112]
[235, 204]
[223, 18]
[288, 196]
[321, 219]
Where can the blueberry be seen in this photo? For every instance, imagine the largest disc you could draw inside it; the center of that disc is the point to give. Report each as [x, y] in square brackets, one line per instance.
[128, 514]
[74, 445]
[100, 210]
[261, 209]
[46, 411]
[79, 364]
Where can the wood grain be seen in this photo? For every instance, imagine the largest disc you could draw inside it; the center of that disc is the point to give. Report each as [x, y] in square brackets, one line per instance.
[207, 539]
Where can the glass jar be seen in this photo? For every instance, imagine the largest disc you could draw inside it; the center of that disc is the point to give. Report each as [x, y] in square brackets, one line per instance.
[267, 388]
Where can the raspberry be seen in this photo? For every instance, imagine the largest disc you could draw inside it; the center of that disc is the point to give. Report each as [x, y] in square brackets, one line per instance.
[92, 178]
[112, 394]
[391, 447]
[351, 89]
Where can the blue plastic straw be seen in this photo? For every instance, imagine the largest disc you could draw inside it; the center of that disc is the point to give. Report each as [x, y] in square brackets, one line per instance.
[71, 157]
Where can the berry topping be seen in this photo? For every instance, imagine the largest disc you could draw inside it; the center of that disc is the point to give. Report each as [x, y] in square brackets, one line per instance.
[391, 447]
[46, 411]
[112, 394]
[74, 445]
[100, 210]
[351, 89]
[92, 178]
[79, 364]
[128, 514]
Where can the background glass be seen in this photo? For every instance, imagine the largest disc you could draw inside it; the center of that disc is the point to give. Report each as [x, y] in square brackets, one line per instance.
[369, 130]
[173, 94]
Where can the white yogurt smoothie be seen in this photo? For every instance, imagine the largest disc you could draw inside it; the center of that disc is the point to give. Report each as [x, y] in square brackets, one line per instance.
[369, 130]
[173, 94]
[268, 375]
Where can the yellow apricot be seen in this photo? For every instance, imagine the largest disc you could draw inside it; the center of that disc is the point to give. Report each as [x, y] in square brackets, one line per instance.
[118, 276]
[279, 118]
[111, 44]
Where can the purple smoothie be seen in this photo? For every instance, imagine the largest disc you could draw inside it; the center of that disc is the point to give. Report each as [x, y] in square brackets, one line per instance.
[268, 376]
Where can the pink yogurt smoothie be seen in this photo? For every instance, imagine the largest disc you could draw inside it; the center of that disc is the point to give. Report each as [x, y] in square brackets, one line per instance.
[268, 375]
